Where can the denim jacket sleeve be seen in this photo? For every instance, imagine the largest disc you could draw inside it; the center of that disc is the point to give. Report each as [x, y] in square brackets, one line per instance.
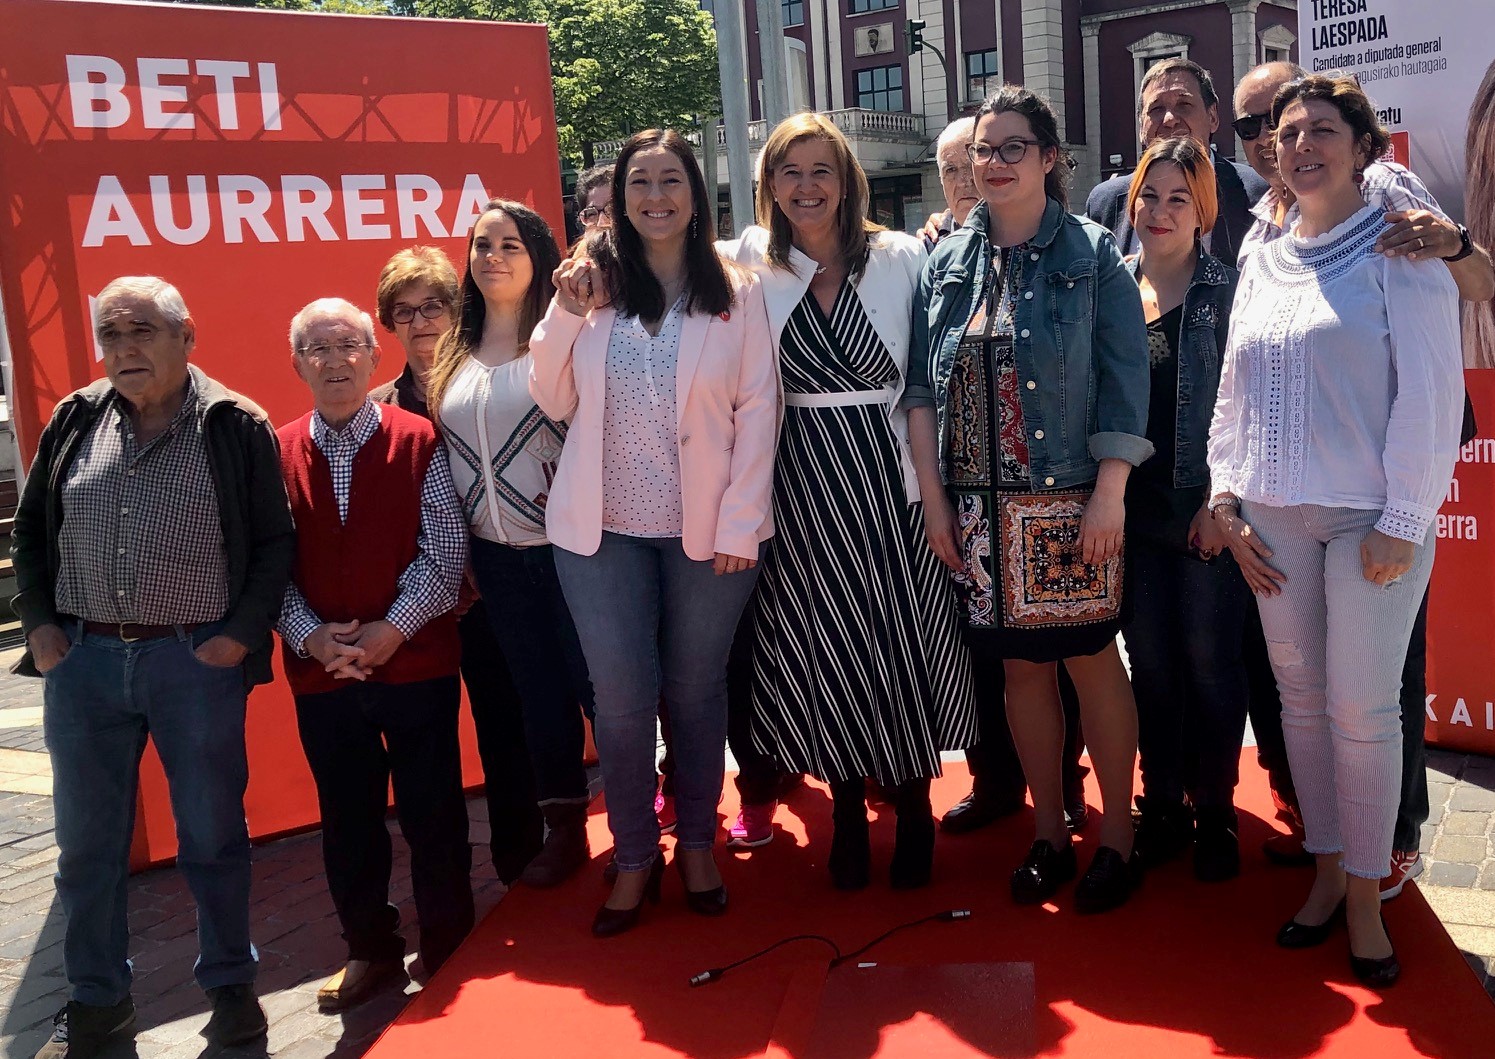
[1122, 375]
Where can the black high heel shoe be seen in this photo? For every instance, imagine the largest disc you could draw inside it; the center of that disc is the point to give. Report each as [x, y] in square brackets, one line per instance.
[1379, 972]
[611, 921]
[712, 902]
[1295, 935]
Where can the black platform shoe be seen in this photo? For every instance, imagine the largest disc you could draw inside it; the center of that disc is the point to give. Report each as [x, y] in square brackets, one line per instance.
[712, 902]
[851, 844]
[1109, 882]
[1295, 935]
[611, 921]
[1039, 877]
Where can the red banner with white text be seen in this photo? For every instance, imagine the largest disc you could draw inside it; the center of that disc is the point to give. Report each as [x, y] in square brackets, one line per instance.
[257, 160]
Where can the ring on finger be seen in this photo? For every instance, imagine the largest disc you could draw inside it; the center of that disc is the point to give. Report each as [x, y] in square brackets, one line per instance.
[1421, 242]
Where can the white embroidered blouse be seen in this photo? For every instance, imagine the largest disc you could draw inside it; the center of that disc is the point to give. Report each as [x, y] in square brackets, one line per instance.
[1343, 380]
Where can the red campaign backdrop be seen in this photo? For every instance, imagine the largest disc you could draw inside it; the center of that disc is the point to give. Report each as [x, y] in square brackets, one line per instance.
[1461, 606]
[257, 160]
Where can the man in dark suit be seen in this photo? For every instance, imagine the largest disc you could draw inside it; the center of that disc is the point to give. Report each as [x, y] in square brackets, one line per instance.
[1178, 99]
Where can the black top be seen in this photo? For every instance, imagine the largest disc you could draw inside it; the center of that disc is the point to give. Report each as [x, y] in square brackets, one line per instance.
[1156, 510]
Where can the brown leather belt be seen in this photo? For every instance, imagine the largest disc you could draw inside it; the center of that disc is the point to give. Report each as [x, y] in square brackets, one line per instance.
[129, 632]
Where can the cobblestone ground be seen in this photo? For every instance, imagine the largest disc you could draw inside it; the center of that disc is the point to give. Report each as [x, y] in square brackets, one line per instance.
[297, 934]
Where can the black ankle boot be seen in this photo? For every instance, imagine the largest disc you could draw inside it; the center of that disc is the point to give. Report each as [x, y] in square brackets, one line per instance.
[851, 845]
[913, 848]
[1164, 829]
[566, 847]
[1217, 845]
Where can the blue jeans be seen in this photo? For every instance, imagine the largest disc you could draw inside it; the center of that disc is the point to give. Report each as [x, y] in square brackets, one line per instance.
[652, 620]
[1184, 643]
[102, 700]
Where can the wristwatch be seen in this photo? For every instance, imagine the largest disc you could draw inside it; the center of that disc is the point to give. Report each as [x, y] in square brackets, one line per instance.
[1466, 245]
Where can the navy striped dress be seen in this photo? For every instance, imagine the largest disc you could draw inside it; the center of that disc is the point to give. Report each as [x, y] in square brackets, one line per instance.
[858, 666]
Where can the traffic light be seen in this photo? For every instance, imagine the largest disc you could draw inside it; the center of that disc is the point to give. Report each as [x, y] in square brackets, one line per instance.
[913, 36]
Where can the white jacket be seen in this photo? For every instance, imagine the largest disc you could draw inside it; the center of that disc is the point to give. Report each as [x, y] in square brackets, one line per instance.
[886, 290]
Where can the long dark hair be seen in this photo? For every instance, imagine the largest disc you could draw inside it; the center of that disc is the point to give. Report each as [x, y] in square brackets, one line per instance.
[472, 311]
[619, 251]
[1045, 126]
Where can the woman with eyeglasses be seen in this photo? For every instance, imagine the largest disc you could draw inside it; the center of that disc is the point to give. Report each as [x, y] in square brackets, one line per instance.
[657, 351]
[1028, 400]
[1188, 600]
[503, 453]
[1333, 442]
[858, 668]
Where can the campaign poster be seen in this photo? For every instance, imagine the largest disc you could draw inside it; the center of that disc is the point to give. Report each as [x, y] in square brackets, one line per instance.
[257, 160]
[1429, 68]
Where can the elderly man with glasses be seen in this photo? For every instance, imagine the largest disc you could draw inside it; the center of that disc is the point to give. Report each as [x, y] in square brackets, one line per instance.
[371, 649]
[152, 545]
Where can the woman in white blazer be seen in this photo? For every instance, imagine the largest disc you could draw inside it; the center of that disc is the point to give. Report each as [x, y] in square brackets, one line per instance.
[858, 667]
[658, 353]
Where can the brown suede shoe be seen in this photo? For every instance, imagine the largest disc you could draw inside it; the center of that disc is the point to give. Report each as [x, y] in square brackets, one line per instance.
[356, 982]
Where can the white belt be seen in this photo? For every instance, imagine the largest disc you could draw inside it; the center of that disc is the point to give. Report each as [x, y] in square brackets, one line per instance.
[840, 400]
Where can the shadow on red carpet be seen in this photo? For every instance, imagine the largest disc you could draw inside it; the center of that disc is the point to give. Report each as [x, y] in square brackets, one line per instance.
[1186, 969]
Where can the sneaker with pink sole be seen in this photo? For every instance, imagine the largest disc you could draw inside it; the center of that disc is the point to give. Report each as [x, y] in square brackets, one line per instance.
[664, 810]
[1406, 865]
[754, 827]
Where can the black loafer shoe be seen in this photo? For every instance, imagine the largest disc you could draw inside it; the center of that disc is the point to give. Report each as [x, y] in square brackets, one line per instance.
[237, 1016]
[1295, 935]
[1109, 882]
[974, 812]
[1039, 877]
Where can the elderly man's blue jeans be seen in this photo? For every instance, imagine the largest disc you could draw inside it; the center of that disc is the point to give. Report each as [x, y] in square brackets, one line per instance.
[102, 700]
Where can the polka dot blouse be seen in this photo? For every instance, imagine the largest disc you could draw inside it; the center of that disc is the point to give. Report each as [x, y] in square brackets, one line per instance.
[640, 446]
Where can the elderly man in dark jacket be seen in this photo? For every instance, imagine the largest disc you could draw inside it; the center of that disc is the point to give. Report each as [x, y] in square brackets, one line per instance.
[152, 546]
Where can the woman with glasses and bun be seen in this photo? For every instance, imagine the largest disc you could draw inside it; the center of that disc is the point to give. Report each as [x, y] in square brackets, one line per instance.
[503, 453]
[657, 352]
[1028, 400]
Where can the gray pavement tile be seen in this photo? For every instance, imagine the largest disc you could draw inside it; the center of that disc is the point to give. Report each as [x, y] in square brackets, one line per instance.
[1466, 823]
[1462, 875]
[1461, 849]
[1473, 798]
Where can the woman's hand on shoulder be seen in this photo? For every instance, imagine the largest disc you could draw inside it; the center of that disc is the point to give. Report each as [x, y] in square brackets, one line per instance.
[577, 286]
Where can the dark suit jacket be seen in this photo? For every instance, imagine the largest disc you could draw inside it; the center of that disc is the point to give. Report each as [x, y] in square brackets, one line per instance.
[1237, 186]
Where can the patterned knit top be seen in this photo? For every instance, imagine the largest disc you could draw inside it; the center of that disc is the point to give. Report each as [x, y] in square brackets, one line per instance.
[1343, 379]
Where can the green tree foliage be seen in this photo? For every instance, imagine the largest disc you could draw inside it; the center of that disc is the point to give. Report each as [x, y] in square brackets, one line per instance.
[618, 65]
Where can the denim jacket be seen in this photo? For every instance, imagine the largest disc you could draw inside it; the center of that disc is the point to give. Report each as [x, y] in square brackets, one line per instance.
[1081, 343]
[1201, 344]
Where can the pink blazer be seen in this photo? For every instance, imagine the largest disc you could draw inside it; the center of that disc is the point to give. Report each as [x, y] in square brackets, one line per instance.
[727, 405]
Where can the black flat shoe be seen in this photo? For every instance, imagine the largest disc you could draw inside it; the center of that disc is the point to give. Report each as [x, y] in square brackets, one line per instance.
[1379, 972]
[976, 811]
[1295, 935]
[1109, 882]
[712, 902]
[1046, 869]
[611, 921]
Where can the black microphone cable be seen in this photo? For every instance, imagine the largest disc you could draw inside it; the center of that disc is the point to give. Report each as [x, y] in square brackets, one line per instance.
[948, 916]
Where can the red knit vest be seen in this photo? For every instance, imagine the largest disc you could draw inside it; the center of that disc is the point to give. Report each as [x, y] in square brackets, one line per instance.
[350, 569]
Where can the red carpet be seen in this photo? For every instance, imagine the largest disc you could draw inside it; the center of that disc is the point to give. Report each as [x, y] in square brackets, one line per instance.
[1184, 970]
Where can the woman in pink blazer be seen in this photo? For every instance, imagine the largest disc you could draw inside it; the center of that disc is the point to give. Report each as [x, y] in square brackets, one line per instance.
[659, 354]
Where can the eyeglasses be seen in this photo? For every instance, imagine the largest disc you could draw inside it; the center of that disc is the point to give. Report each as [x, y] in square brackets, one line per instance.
[1250, 126]
[349, 349]
[431, 309]
[592, 214]
[1010, 151]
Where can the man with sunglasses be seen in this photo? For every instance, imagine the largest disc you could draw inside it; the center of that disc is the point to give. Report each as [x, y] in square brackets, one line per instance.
[1417, 227]
[1178, 99]
[371, 650]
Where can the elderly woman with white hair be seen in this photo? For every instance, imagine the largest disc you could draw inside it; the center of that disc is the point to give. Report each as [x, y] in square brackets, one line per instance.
[371, 648]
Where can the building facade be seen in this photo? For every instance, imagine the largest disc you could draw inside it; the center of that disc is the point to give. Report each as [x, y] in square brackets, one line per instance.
[849, 58]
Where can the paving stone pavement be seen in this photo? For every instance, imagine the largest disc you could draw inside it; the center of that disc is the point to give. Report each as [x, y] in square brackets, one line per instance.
[297, 934]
